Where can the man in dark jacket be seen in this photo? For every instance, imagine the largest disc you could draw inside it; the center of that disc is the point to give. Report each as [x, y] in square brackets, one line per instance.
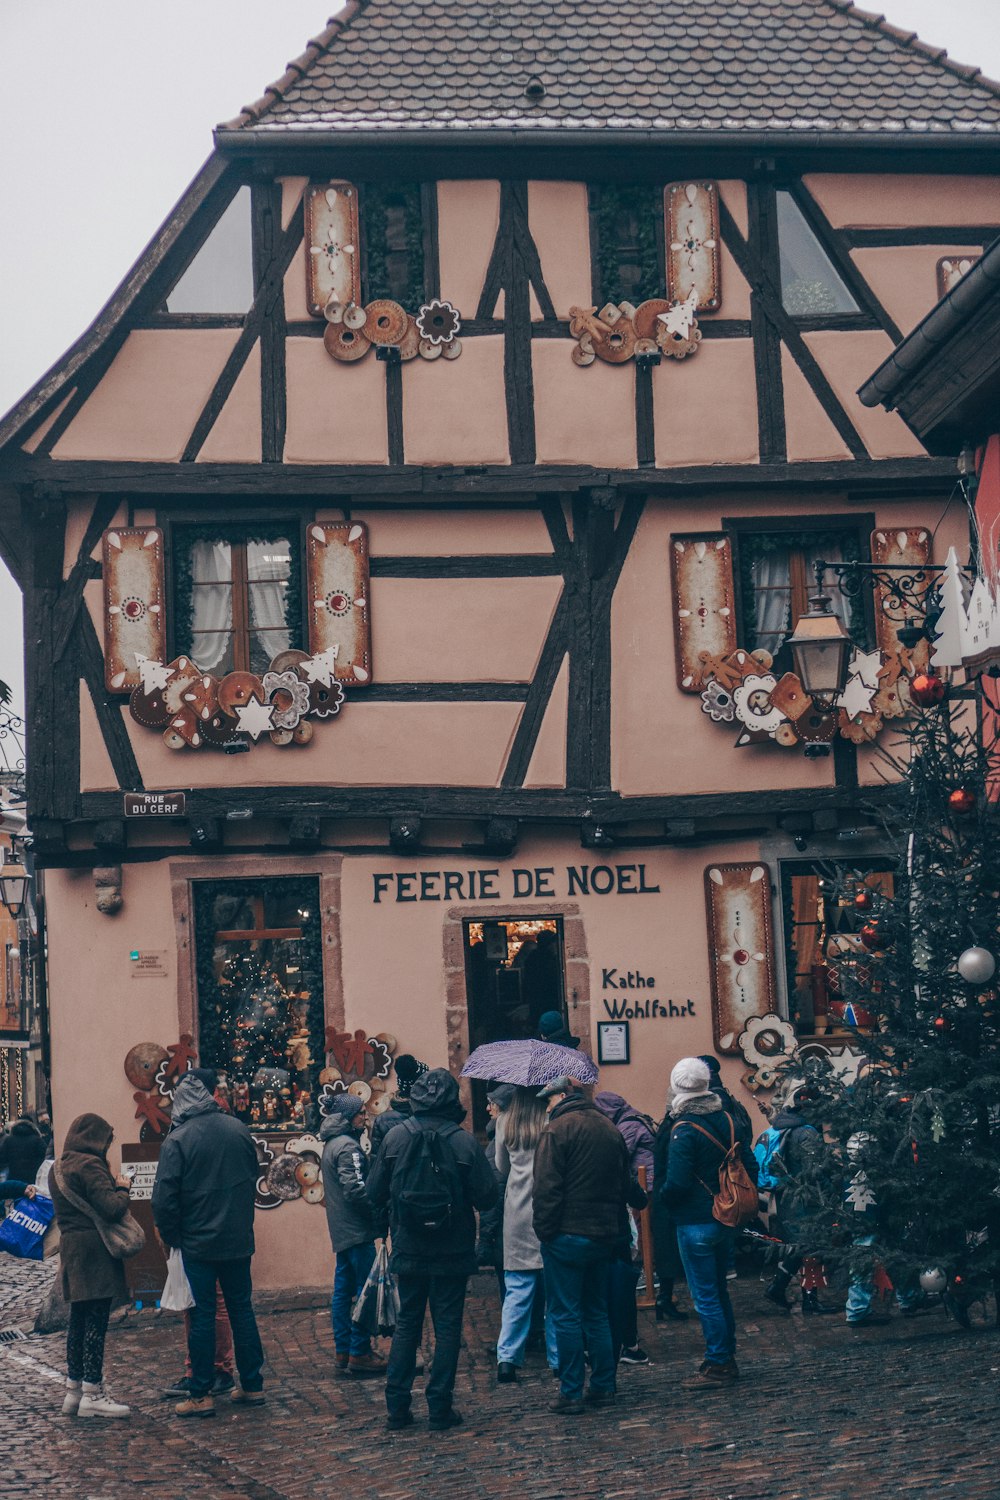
[407, 1070]
[799, 1145]
[739, 1112]
[22, 1151]
[352, 1231]
[203, 1204]
[432, 1265]
[552, 1027]
[581, 1186]
[701, 1135]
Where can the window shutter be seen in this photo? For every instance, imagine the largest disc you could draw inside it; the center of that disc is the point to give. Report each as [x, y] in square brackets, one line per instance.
[337, 572]
[134, 621]
[740, 948]
[701, 570]
[691, 210]
[333, 259]
[909, 546]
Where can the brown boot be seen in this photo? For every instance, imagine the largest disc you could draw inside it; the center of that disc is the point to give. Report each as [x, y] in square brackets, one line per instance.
[713, 1377]
[196, 1406]
[341, 1364]
[364, 1366]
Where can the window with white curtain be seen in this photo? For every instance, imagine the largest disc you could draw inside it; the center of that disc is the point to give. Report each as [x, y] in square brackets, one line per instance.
[777, 577]
[236, 598]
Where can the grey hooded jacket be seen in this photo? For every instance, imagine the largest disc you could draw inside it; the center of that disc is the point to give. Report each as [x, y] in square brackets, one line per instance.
[345, 1167]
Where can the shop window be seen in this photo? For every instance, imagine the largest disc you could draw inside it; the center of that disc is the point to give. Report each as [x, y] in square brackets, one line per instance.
[260, 996]
[822, 919]
[220, 278]
[810, 284]
[514, 973]
[393, 237]
[626, 251]
[777, 577]
[237, 596]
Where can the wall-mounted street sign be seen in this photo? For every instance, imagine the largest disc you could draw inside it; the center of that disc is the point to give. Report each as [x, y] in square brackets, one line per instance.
[155, 804]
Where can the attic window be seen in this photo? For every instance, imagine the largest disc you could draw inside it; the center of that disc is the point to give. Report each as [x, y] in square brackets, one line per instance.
[627, 258]
[810, 285]
[220, 278]
[393, 231]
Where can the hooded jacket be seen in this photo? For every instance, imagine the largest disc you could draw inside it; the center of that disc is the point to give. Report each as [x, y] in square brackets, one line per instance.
[89, 1273]
[203, 1198]
[582, 1180]
[22, 1151]
[451, 1251]
[694, 1161]
[349, 1215]
[635, 1131]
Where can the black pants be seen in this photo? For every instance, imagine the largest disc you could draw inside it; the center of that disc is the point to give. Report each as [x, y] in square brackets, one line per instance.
[446, 1296]
[88, 1323]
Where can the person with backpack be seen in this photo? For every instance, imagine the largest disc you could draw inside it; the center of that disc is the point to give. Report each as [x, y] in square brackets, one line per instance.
[352, 1231]
[783, 1154]
[637, 1131]
[429, 1178]
[407, 1070]
[710, 1173]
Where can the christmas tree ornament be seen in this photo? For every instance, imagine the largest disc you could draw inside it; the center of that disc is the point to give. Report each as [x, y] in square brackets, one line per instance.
[933, 1280]
[871, 935]
[962, 801]
[937, 1125]
[863, 899]
[927, 690]
[941, 1023]
[977, 965]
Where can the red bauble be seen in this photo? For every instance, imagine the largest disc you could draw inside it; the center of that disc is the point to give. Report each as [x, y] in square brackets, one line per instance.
[941, 1023]
[863, 899]
[962, 801]
[871, 935]
[926, 690]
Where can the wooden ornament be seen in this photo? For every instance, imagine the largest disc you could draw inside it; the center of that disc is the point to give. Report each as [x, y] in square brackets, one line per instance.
[645, 316]
[704, 613]
[236, 691]
[816, 728]
[860, 728]
[950, 270]
[409, 344]
[692, 243]
[345, 344]
[740, 948]
[134, 623]
[385, 322]
[142, 1062]
[618, 345]
[337, 582]
[908, 547]
[332, 245]
[789, 695]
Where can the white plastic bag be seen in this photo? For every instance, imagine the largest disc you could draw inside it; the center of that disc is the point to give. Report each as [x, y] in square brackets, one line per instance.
[176, 1295]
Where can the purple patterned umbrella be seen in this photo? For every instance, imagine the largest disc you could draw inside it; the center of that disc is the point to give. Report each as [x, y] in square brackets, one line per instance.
[529, 1063]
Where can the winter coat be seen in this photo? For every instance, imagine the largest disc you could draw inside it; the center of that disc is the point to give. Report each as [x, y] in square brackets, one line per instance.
[12, 1188]
[22, 1151]
[348, 1213]
[800, 1142]
[563, 1038]
[451, 1251]
[398, 1111]
[582, 1179]
[635, 1131]
[516, 1169]
[490, 1247]
[665, 1252]
[203, 1197]
[89, 1272]
[693, 1166]
[739, 1112]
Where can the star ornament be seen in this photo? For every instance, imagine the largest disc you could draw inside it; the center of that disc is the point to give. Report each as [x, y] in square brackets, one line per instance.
[857, 697]
[866, 665]
[255, 718]
[320, 668]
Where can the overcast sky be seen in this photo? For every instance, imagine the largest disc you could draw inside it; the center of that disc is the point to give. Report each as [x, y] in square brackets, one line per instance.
[106, 115]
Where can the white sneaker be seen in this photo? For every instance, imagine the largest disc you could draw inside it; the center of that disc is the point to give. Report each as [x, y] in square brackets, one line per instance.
[96, 1403]
[71, 1401]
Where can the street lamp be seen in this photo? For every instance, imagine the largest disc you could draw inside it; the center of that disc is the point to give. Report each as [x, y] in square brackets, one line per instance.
[14, 881]
[820, 650]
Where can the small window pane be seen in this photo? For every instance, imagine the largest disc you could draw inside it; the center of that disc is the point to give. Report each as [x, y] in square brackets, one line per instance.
[220, 278]
[211, 606]
[810, 285]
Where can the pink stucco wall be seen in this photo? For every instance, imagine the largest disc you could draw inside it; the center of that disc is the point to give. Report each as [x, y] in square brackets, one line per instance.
[895, 200]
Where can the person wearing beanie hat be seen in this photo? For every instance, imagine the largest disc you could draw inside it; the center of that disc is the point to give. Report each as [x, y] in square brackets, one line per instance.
[741, 1115]
[701, 1134]
[407, 1069]
[352, 1229]
[552, 1027]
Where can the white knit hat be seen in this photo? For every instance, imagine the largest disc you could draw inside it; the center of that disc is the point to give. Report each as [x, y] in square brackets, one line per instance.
[690, 1076]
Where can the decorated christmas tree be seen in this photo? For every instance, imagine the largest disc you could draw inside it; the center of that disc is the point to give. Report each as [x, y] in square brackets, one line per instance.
[913, 1153]
[257, 1018]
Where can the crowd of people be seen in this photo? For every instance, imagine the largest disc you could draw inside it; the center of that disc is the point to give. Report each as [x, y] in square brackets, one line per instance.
[550, 1203]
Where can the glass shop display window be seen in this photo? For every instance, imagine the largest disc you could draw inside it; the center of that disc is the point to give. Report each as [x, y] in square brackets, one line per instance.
[237, 597]
[825, 908]
[260, 997]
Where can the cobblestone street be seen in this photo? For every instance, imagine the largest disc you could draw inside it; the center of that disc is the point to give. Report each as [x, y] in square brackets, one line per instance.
[821, 1413]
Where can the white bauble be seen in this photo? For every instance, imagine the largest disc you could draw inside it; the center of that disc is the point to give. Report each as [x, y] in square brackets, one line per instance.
[977, 965]
[933, 1280]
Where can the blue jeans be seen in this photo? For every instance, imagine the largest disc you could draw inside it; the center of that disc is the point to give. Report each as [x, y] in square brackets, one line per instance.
[233, 1276]
[576, 1290]
[861, 1292]
[521, 1289]
[350, 1276]
[705, 1256]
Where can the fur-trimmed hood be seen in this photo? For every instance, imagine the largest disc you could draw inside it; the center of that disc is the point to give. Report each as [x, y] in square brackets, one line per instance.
[704, 1104]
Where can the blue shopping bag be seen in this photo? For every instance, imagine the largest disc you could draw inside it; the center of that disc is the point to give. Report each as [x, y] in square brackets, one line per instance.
[23, 1230]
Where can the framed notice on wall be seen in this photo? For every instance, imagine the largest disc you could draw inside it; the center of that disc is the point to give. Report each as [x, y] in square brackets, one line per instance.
[612, 1042]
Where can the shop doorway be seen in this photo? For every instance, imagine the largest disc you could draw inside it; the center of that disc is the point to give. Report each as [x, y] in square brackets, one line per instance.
[515, 971]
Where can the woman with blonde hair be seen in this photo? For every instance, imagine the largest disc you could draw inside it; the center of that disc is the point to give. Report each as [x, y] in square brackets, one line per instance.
[518, 1131]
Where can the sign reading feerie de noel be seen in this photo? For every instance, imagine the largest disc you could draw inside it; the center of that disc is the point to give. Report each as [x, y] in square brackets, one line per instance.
[638, 1006]
[155, 804]
[512, 885]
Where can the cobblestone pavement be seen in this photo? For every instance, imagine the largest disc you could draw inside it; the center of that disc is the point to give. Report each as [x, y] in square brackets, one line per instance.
[823, 1412]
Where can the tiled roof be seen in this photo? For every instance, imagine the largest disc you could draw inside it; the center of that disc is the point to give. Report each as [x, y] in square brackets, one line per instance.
[663, 65]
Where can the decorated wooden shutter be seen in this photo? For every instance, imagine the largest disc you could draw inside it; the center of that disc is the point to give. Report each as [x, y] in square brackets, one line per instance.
[701, 569]
[333, 252]
[740, 948]
[691, 210]
[134, 617]
[902, 603]
[337, 570]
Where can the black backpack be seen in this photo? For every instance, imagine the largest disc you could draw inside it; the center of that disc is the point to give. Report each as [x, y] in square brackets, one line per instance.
[426, 1187]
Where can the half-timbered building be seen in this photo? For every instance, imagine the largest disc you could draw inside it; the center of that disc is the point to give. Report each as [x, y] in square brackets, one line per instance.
[411, 547]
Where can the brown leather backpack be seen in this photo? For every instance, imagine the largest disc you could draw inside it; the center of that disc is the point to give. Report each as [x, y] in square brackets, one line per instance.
[735, 1202]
